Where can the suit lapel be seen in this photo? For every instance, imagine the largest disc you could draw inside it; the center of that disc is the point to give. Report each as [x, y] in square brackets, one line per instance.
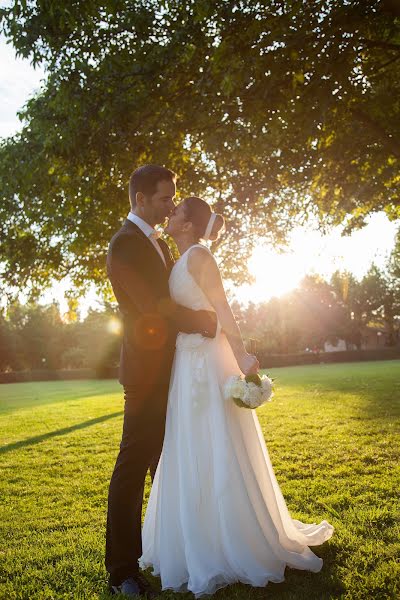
[167, 253]
[146, 248]
[148, 245]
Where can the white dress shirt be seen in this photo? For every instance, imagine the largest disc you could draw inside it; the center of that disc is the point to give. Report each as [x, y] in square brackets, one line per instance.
[149, 232]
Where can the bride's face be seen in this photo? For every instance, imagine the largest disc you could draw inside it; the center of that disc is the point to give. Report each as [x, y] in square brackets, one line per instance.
[176, 222]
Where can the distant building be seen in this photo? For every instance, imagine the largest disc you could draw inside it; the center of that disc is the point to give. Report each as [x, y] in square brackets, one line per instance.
[372, 338]
[339, 346]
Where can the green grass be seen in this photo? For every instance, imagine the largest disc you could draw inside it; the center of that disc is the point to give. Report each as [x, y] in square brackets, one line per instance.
[332, 433]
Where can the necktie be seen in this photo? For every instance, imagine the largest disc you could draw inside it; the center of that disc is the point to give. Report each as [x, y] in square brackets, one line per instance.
[153, 237]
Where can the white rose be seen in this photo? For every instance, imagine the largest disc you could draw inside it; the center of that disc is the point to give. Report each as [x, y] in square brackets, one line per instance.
[231, 385]
[238, 389]
[246, 396]
[266, 384]
[249, 396]
[255, 393]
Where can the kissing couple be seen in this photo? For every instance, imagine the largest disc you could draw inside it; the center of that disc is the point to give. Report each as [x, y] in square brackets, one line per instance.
[216, 515]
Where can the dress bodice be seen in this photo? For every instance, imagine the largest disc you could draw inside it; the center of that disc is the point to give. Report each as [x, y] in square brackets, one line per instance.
[183, 288]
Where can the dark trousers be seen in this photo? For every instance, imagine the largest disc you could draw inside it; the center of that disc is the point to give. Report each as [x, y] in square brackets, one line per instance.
[140, 449]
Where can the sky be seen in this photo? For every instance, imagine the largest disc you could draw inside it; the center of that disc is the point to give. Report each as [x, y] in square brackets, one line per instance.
[311, 252]
[18, 81]
[308, 250]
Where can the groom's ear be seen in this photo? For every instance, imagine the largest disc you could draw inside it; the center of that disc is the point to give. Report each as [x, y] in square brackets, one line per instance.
[139, 199]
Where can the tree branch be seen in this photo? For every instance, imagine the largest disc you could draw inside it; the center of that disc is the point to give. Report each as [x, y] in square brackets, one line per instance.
[389, 142]
[386, 64]
[380, 44]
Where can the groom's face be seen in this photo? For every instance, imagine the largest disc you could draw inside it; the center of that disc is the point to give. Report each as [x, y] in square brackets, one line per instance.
[159, 206]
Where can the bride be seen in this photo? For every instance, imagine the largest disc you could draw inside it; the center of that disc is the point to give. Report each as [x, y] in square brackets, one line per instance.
[216, 514]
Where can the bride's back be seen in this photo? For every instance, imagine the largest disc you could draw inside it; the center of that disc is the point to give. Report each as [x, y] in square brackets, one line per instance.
[183, 288]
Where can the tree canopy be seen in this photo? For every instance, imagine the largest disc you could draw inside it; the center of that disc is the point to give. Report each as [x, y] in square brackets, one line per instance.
[275, 111]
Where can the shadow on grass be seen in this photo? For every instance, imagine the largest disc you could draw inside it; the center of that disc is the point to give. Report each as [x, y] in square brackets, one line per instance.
[27, 395]
[64, 431]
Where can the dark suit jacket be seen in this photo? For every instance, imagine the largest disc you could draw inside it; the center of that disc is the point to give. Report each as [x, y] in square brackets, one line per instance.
[151, 319]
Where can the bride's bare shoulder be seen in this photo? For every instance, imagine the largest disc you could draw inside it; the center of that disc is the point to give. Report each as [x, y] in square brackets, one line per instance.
[200, 259]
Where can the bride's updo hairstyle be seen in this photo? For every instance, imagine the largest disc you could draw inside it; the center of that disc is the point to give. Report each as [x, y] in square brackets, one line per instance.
[198, 212]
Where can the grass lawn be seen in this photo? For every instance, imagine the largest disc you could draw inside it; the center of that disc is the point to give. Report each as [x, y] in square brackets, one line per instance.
[332, 433]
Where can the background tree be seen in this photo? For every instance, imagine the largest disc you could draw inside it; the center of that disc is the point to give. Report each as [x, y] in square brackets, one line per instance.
[373, 299]
[275, 111]
[7, 345]
[35, 337]
[98, 338]
[390, 300]
[357, 303]
[38, 335]
[305, 318]
[320, 316]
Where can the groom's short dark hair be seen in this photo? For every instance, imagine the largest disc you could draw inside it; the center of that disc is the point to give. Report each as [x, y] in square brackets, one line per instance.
[145, 179]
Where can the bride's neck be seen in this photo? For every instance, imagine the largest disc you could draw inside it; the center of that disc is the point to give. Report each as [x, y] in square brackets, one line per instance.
[184, 243]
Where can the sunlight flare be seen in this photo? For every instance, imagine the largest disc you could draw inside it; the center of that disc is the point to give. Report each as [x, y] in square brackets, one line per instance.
[275, 274]
[114, 325]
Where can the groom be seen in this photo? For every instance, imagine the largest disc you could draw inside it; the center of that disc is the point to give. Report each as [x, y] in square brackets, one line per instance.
[138, 266]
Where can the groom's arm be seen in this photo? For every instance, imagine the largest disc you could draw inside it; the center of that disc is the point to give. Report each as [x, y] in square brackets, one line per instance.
[123, 266]
[187, 320]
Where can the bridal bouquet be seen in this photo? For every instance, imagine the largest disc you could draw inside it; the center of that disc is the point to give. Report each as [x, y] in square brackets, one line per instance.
[250, 391]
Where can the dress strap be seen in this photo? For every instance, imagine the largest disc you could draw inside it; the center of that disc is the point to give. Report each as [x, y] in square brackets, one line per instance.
[197, 246]
[218, 332]
[202, 246]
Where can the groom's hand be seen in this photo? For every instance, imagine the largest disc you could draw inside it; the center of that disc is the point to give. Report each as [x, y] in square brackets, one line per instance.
[207, 323]
[187, 320]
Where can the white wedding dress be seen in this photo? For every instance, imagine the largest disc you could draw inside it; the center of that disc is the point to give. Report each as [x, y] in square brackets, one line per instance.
[216, 514]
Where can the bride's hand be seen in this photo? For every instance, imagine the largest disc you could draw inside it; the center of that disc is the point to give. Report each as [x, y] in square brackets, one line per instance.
[248, 364]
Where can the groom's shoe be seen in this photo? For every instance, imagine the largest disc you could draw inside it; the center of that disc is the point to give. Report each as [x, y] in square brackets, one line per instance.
[135, 586]
[129, 587]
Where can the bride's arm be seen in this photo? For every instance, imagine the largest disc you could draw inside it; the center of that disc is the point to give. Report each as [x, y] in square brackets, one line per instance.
[204, 270]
